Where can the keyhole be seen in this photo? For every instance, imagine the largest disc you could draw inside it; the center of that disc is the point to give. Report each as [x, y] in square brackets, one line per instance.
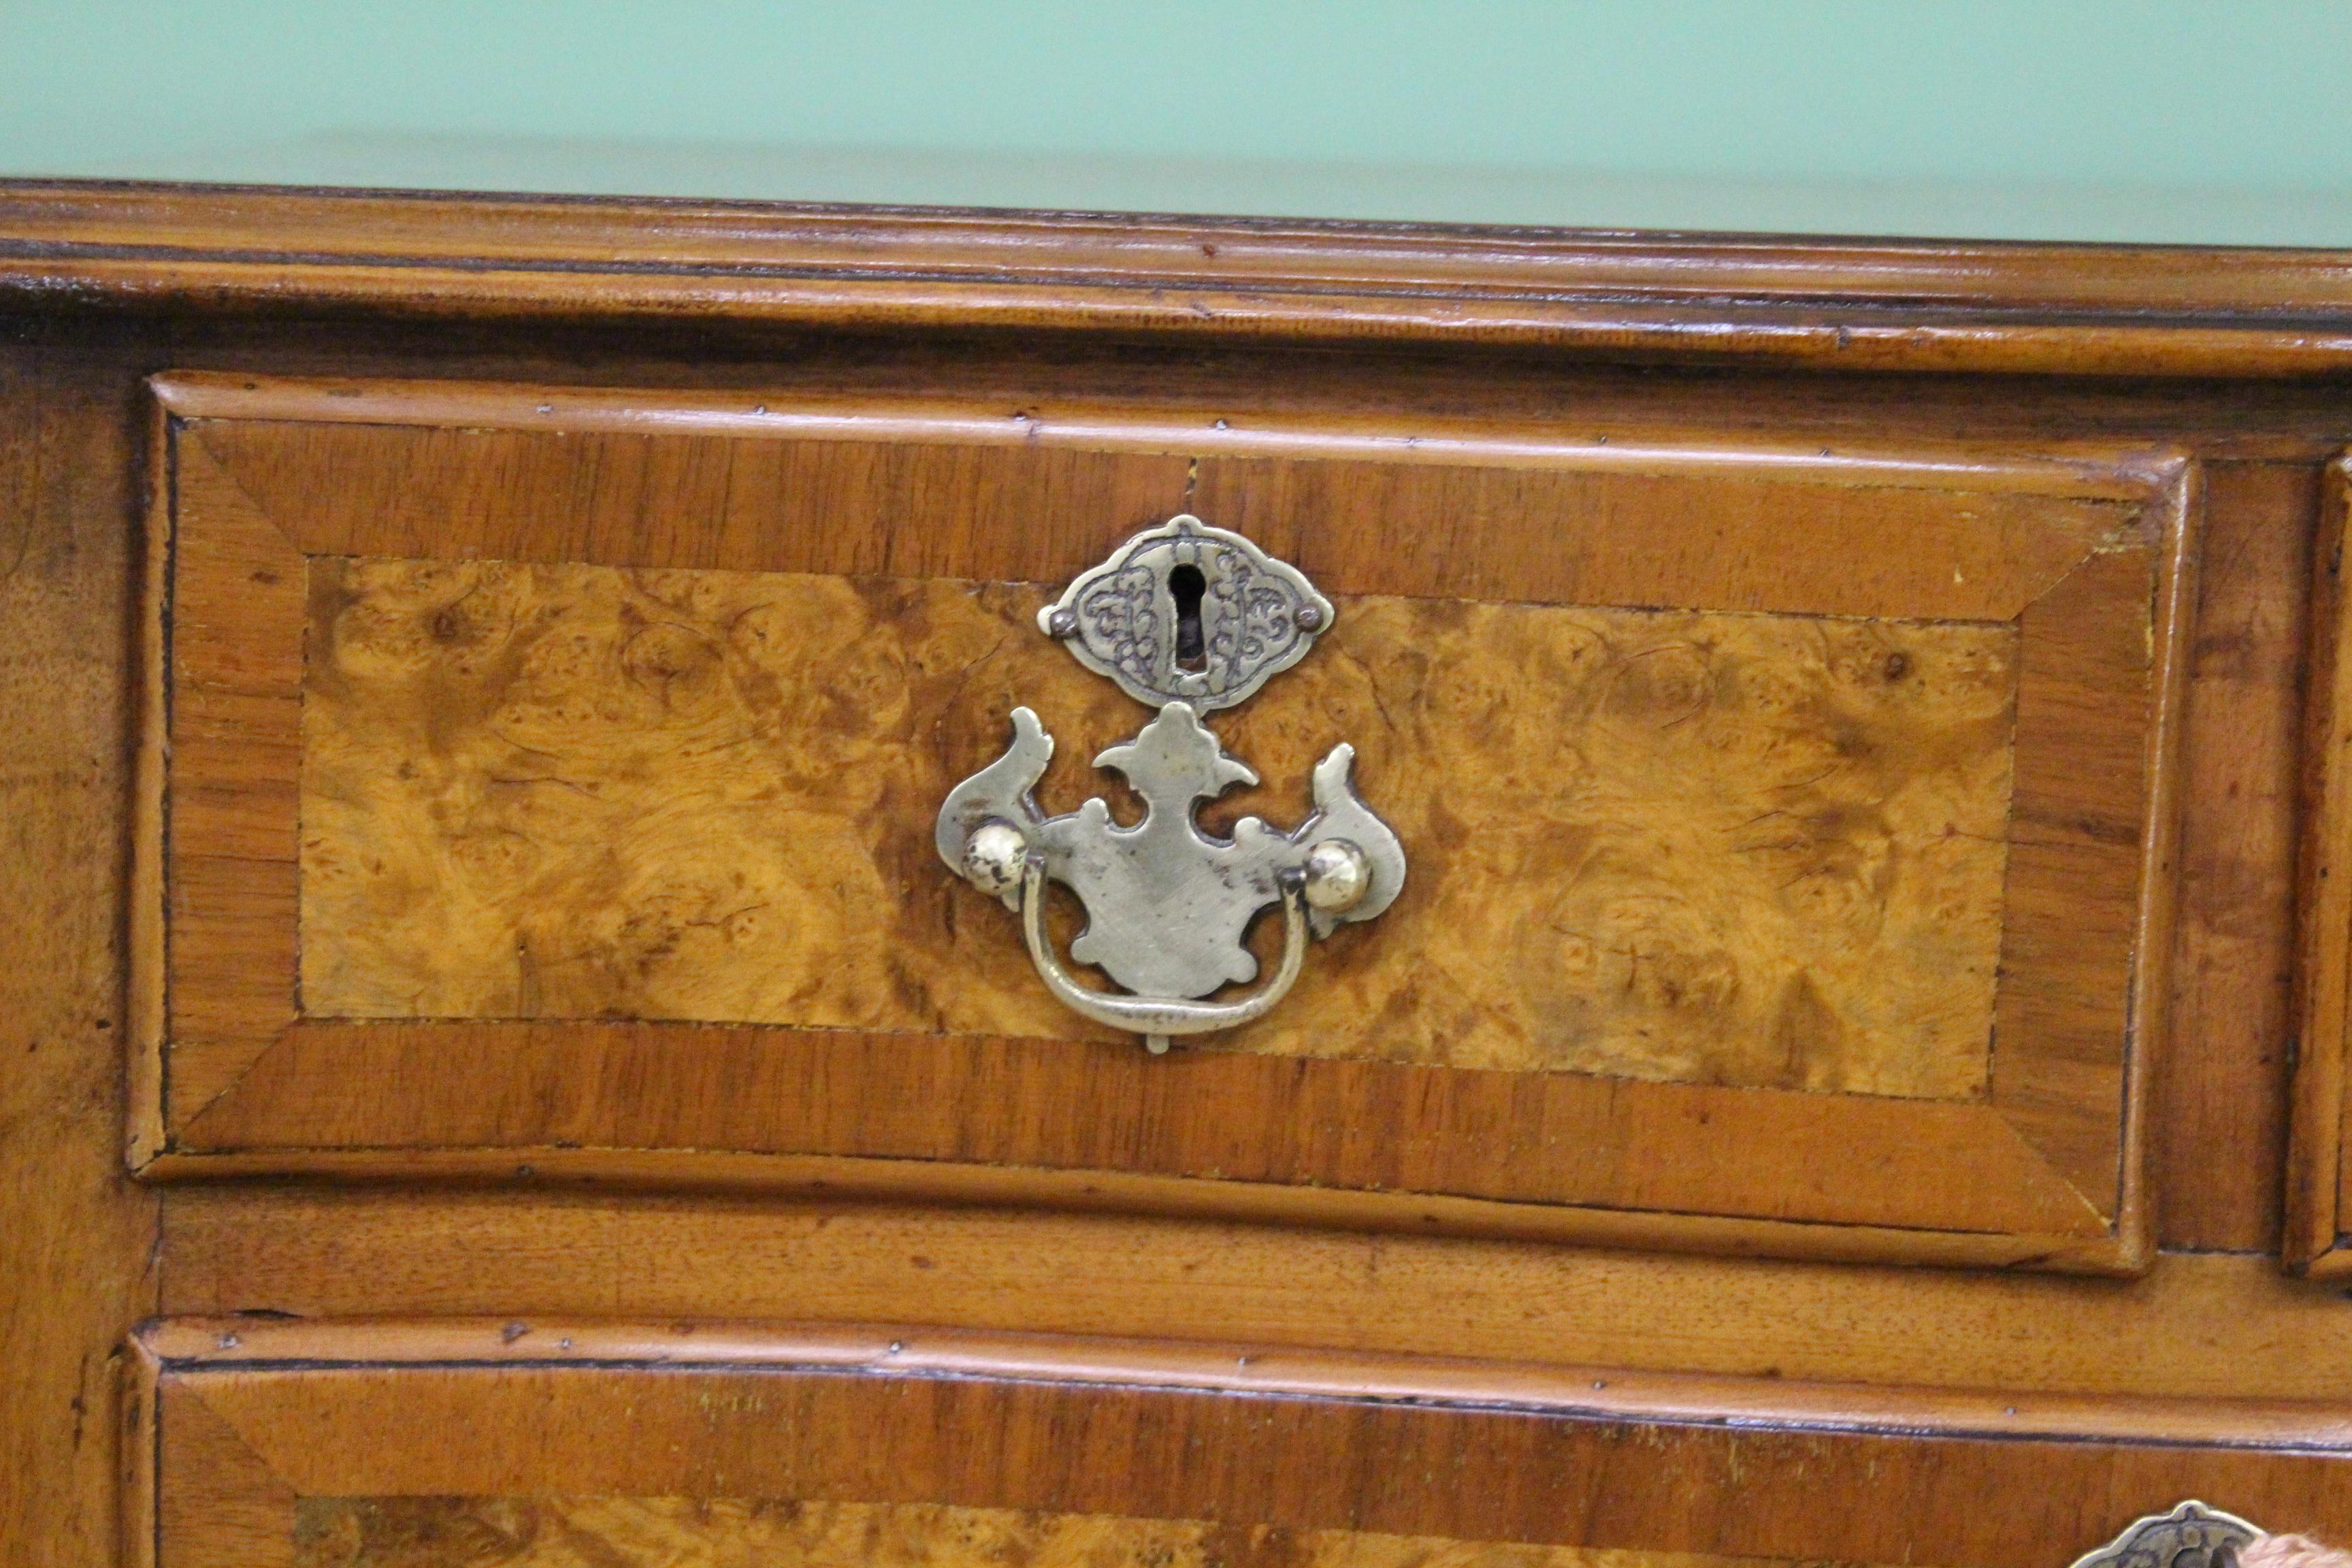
[1185, 585]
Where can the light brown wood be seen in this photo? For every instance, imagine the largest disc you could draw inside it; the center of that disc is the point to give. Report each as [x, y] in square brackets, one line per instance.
[2045, 434]
[249, 1345]
[138, 1459]
[75, 1238]
[2083, 892]
[2095, 772]
[1501, 388]
[1522, 509]
[1178, 411]
[236, 1514]
[1043, 1443]
[1765, 849]
[2221, 1115]
[608, 1531]
[2011, 1240]
[1872, 305]
[147, 1026]
[2195, 1326]
[234, 703]
[2316, 1179]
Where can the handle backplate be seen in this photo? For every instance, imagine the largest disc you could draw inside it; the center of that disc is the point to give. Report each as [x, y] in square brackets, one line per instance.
[1188, 618]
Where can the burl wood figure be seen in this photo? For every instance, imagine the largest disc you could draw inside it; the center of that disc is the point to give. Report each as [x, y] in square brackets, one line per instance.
[499, 1070]
[1769, 848]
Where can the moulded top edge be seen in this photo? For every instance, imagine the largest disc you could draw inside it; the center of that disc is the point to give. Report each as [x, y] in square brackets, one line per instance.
[1852, 304]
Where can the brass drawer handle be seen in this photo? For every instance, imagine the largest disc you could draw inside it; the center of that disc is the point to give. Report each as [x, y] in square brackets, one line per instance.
[2191, 1536]
[1157, 1018]
[1190, 619]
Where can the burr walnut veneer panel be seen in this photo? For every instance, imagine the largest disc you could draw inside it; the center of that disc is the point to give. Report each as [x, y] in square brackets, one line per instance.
[627, 1532]
[547, 769]
[1759, 850]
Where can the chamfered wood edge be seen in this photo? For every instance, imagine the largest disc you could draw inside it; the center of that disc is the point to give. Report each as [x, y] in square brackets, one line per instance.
[2148, 1032]
[138, 1452]
[2072, 469]
[192, 1348]
[149, 1128]
[1834, 304]
[869, 1178]
[146, 959]
[2178, 499]
[2312, 1238]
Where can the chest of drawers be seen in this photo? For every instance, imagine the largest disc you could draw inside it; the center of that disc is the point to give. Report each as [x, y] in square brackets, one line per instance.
[505, 1076]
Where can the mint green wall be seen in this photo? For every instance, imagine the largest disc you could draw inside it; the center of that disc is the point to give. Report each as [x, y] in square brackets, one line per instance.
[2221, 121]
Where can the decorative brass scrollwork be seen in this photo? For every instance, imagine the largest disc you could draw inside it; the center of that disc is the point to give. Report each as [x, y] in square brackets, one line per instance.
[1189, 619]
[2191, 1536]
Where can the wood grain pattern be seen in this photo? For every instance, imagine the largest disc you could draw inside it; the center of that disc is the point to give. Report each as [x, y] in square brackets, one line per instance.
[246, 1345]
[2198, 1327]
[1224, 1133]
[235, 1516]
[1541, 1475]
[76, 1238]
[2088, 830]
[2317, 1182]
[230, 887]
[2049, 1147]
[1524, 509]
[1875, 305]
[1310, 408]
[1759, 850]
[392, 302]
[2223, 1085]
[546, 1531]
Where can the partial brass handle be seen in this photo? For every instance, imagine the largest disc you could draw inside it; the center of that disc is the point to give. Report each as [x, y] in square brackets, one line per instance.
[2191, 1536]
[1157, 1018]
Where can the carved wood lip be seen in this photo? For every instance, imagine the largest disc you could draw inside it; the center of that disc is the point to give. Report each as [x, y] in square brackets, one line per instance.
[2097, 1246]
[216, 1346]
[1857, 304]
[2121, 470]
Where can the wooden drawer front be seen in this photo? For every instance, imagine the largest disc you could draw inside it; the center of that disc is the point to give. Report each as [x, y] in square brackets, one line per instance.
[544, 779]
[450, 1445]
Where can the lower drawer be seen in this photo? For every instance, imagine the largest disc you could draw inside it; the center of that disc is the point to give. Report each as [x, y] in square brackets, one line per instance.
[452, 1445]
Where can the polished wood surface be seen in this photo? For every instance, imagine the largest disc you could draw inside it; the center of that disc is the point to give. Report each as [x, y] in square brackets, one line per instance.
[2233, 973]
[2317, 1182]
[1767, 849]
[243, 1441]
[1857, 305]
[2260, 452]
[247, 1343]
[605, 1532]
[76, 1238]
[2060, 388]
[2195, 1326]
[1776, 850]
